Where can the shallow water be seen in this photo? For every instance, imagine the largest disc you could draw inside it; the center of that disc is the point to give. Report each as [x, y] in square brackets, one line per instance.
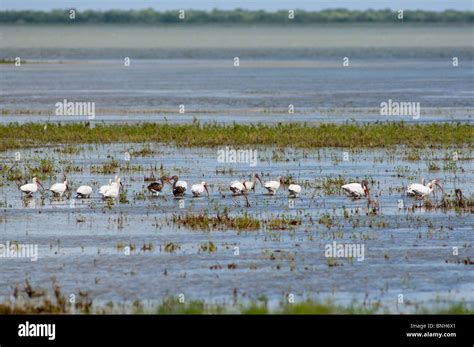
[405, 250]
[279, 66]
[217, 91]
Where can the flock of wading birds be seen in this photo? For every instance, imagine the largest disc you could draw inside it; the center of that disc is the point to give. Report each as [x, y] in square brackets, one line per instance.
[112, 189]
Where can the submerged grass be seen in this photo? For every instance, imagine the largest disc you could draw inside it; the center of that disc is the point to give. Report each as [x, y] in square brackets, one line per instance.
[29, 300]
[306, 135]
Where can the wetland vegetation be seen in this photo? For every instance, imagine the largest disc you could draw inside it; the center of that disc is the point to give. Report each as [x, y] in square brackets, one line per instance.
[28, 300]
[213, 135]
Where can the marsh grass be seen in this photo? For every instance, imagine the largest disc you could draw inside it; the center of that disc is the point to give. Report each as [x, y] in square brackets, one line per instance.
[171, 247]
[282, 223]
[12, 173]
[297, 135]
[20, 173]
[69, 150]
[459, 204]
[222, 221]
[145, 151]
[208, 247]
[218, 222]
[330, 185]
[432, 166]
[108, 168]
[27, 299]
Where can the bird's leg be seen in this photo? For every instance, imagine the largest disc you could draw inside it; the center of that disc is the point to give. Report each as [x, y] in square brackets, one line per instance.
[247, 204]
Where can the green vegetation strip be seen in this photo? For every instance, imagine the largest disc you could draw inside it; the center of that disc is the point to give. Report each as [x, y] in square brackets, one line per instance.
[224, 221]
[213, 135]
[85, 305]
[237, 16]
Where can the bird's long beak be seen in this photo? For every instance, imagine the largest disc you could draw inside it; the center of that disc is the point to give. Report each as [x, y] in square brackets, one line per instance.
[440, 187]
[207, 191]
[258, 177]
[39, 182]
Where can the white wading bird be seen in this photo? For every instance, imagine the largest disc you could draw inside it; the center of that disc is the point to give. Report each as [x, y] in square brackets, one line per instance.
[294, 190]
[84, 192]
[103, 188]
[356, 190]
[271, 186]
[237, 187]
[58, 189]
[250, 185]
[198, 189]
[114, 190]
[420, 190]
[179, 187]
[31, 188]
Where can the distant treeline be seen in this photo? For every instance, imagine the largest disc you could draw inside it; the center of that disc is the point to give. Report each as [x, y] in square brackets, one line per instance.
[237, 16]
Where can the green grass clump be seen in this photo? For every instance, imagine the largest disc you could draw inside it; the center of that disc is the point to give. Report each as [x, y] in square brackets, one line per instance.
[219, 222]
[282, 223]
[108, 168]
[208, 247]
[298, 135]
[331, 185]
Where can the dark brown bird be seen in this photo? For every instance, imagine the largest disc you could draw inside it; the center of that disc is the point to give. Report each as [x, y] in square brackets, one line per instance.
[157, 187]
[459, 198]
[179, 187]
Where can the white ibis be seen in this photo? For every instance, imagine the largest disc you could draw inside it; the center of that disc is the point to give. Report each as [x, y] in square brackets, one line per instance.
[271, 186]
[237, 187]
[31, 188]
[294, 190]
[179, 187]
[356, 190]
[103, 188]
[420, 190]
[198, 189]
[58, 189]
[114, 190]
[84, 191]
[250, 185]
[157, 187]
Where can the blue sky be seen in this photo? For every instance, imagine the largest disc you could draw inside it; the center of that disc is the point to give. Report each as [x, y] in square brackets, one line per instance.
[269, 5]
